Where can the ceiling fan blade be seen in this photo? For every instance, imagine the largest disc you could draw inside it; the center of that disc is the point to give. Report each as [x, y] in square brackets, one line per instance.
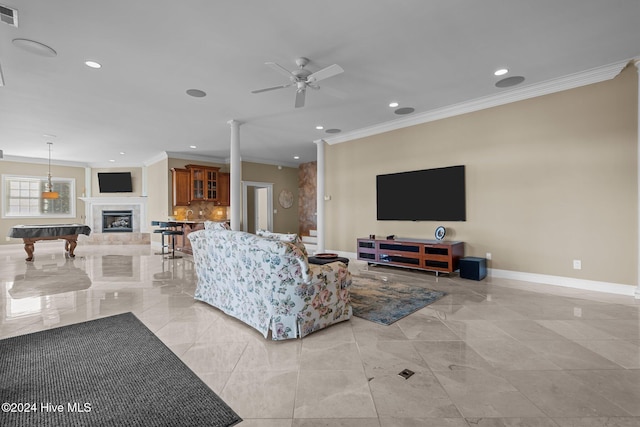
[300, 93]
[279, 68]
[325, 73]
[271, 88]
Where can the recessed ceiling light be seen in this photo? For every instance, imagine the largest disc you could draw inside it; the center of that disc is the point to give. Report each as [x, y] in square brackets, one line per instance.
[92, 64]
[196, 93]
[405, 110]
[193, 146]
[501, 72]
[296, 157]
[34, 47]
[510, 81]
[333, 130]
[319, 127]
[393, 104]
[112, 161]
[48, 135]
[122, 153]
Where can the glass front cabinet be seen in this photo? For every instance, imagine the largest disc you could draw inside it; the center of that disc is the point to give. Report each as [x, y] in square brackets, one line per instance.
[204, 183]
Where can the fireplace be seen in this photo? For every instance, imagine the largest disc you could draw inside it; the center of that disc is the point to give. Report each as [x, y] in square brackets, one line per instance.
[139, 230]
[117, 221]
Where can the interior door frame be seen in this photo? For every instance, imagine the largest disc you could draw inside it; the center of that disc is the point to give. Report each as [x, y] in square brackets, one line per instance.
[245, 214]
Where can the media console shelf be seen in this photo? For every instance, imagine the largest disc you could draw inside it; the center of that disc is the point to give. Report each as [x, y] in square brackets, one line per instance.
[421, 254]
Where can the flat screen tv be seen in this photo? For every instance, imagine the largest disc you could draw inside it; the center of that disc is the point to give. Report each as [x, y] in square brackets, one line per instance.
[423, 195]
[115, 182]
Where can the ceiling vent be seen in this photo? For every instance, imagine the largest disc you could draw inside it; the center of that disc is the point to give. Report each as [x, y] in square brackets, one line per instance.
[9, 16]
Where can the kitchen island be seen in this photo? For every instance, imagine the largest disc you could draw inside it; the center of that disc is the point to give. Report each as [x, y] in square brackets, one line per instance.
[183, 244]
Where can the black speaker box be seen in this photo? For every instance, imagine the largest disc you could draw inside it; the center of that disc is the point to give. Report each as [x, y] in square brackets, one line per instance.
[473, 268]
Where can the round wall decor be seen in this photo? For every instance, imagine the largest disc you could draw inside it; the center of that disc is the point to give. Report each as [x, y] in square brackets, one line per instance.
[285, 199]
[440, 232]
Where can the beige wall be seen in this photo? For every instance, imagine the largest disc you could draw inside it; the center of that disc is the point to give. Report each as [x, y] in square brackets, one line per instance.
[158, 194]
[286, 178]
[548, 180]
[35, 169]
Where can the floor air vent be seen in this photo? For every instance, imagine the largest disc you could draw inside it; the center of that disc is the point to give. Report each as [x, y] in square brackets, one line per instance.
[8, 15]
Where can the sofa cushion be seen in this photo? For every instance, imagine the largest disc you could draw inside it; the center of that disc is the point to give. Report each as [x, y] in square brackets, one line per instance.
[284, 237]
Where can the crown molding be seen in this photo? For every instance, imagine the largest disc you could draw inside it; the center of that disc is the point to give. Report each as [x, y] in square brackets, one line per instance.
[194, 157]
[40, 161]
[594, 75]
[163, 155]
[258, 160]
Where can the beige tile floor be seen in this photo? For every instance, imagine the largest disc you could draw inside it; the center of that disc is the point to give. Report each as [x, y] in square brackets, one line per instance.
[490, 353]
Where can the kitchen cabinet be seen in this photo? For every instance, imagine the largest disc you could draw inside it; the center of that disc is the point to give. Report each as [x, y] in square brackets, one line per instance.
[204, 183]
[200, 183]
[181, 185]
[224, 190]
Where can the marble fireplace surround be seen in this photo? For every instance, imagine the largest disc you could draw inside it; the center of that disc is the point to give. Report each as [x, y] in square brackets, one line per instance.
[95, 205]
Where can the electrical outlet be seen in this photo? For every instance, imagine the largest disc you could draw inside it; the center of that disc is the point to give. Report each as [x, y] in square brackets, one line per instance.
[8, 238]
[488, 255]
[577, 264]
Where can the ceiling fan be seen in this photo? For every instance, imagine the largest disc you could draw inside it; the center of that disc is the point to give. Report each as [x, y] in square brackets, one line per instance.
[302, 78]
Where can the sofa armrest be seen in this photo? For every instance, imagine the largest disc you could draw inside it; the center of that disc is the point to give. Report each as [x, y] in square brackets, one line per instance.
[336, 272]
[326, 297]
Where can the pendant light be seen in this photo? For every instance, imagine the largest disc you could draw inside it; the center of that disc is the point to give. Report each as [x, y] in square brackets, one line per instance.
[49, 193]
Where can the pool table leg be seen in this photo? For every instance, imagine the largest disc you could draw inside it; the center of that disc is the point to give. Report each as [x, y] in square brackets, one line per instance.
[28, 248]
[70, 246]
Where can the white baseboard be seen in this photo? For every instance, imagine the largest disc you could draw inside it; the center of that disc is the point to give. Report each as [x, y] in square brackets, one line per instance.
[567, 282]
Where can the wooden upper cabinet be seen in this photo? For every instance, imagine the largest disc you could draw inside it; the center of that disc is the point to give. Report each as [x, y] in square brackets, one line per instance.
[224, 191]
[200, 183]
[204, 183]
[181, 179]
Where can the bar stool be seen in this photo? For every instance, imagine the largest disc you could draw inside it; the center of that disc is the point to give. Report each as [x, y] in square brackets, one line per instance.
[172, 231]
[163, 226]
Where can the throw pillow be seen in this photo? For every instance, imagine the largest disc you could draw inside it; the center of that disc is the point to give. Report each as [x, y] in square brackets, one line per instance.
[213, 225]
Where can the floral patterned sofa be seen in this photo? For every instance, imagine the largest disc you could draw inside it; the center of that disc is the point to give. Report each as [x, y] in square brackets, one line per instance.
[266, 282]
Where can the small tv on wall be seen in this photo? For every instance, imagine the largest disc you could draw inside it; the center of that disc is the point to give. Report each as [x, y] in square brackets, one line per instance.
[422, 195]
[115, 182]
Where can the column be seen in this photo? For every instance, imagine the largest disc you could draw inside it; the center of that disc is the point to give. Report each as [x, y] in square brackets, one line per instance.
[636, 62]
[235, 175]
[320, 194]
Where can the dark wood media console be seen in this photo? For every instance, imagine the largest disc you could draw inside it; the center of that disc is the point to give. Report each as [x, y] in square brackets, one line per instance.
[421, 254]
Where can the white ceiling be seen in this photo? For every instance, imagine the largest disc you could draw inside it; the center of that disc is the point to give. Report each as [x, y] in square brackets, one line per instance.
[423, 54]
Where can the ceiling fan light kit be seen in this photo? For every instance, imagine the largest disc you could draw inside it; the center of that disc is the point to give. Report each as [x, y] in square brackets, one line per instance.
[302, 78]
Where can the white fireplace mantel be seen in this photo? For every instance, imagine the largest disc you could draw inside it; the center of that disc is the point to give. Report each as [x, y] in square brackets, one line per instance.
[95, 205]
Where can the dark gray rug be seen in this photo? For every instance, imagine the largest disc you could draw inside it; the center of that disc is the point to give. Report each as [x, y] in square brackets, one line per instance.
[386, 302]
[107, 372]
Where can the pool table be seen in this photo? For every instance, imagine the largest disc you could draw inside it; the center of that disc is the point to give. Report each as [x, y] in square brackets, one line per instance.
[32, 233]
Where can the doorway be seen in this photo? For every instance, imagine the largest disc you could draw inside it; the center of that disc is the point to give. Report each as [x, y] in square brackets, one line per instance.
[257, 206]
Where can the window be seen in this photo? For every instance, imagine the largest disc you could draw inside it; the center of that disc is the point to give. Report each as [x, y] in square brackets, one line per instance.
[22, 197]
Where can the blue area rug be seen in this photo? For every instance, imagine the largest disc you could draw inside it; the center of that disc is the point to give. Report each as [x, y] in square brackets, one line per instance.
[386, 302]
